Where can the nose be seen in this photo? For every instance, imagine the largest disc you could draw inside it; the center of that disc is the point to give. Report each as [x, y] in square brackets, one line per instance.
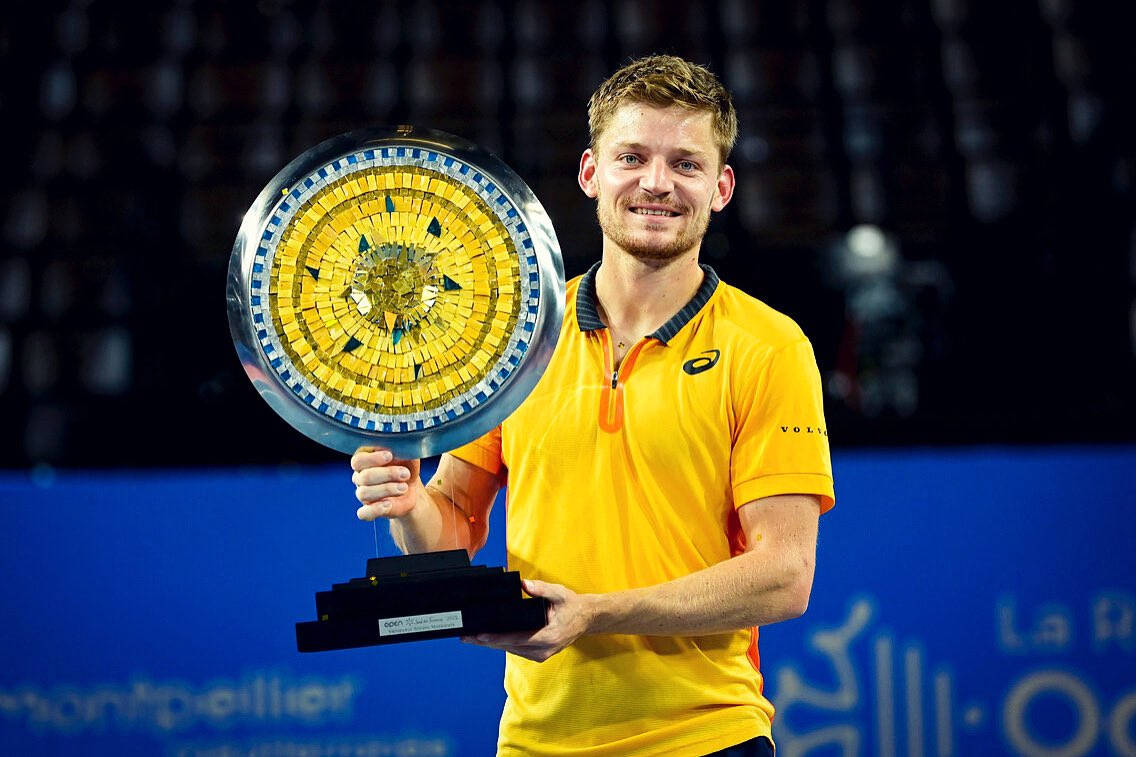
[656, 178]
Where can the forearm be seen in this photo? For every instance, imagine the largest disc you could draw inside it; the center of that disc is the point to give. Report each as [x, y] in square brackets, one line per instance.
[768, 583]
[435, 524]
[755, 588]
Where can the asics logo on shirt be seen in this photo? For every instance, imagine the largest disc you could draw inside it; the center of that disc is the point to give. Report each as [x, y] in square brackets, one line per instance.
[704, 362]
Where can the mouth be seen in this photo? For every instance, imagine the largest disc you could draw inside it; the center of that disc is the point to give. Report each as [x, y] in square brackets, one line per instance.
[654, 211]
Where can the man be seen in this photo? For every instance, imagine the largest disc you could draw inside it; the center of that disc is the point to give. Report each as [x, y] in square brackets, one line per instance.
[665, 475]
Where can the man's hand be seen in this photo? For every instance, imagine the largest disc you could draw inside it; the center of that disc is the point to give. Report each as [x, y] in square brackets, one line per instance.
[569, 616]
[450, 512]
[386, 488]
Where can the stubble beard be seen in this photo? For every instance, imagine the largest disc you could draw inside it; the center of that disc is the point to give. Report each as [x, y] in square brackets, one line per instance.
[642, 250]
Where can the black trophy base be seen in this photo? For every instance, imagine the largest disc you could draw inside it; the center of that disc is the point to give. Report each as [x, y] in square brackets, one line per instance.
[415, 597]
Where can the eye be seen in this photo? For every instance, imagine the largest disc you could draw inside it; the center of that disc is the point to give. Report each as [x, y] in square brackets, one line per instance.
[628, 159]
[687, 166]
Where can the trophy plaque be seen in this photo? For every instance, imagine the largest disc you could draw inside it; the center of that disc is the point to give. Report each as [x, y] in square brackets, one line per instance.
[399, 288]
[439, 594]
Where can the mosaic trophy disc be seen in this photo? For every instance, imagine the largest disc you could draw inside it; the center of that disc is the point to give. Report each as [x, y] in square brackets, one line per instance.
[398, 288]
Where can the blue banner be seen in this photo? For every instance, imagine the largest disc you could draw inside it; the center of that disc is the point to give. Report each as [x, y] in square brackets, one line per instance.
[966, 602]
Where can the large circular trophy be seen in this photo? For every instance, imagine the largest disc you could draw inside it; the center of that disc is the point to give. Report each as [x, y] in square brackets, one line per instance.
[399, 288]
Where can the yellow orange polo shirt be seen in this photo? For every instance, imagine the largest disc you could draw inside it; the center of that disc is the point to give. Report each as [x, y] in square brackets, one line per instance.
[629, 478]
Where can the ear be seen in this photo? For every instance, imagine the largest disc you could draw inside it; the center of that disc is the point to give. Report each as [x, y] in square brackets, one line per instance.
[724, 189]
[587, 176]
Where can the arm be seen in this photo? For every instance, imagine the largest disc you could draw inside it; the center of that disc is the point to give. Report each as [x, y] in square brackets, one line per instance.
[449, 512]
[769, 582]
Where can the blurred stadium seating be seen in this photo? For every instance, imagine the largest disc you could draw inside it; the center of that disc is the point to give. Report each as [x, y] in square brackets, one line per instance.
[991, 144]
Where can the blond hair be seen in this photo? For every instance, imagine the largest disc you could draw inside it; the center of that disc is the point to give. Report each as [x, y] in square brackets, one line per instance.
[663, 81]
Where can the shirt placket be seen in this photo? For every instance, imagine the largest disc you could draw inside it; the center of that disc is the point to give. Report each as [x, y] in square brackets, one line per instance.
[615, 380]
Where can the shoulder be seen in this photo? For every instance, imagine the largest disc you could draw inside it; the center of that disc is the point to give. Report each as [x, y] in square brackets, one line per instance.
[750, 323]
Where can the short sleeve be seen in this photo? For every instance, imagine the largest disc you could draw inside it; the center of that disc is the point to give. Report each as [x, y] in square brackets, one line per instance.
[780, 443]
[484, 452]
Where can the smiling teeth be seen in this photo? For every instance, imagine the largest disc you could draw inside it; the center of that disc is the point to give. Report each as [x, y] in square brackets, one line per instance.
[646, 212]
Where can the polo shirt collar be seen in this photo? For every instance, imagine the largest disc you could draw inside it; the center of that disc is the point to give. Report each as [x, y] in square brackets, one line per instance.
[588, 318]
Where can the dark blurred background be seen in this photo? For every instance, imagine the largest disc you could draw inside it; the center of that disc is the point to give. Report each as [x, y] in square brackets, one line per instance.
[941, 192]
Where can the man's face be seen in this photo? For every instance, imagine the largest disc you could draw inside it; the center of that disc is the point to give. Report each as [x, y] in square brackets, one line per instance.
[655, 175]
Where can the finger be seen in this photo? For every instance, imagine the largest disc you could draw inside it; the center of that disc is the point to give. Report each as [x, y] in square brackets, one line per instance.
[536, 588]
[380, 475]
[502, 640]
[536, 654]
[369, 495]
[482, 641]
[392, 507]
[517, 644]
[370, 457]
[372, 512]
[384, 508]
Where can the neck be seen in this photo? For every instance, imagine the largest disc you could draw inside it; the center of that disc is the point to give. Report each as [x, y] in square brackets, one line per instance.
[637, 297]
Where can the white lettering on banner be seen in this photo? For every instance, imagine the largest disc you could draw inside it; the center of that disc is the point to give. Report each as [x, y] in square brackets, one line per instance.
[901, 685]
[1051, 682]
[1113, 616]
[175, 706]
[1120, 725]
[291, 746]
[792, 689]
[1052, 630]
[437, 621]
